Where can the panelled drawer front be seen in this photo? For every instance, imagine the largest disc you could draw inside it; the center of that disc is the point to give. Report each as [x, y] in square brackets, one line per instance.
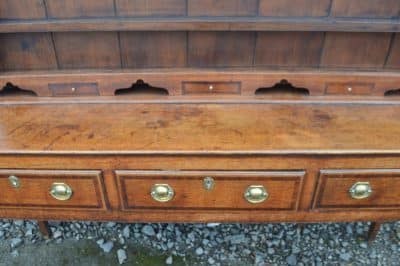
[337, 187]
[283, 189]
[34, 189]
[74, 89]
[211, 87]
[349, 88]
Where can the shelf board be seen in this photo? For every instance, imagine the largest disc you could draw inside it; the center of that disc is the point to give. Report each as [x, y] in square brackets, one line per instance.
[202, 24]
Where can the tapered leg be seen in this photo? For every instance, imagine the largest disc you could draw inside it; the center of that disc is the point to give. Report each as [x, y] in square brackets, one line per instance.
[44, 229]
[373, 231]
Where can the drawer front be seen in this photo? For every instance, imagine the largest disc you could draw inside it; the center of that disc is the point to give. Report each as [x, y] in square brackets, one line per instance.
[358, 188]
[225, 190]
[51, 189]
[74, 89]
[349, 88]
[211, 87]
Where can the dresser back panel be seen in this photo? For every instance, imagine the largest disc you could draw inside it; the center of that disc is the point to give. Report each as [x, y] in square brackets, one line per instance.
[138, 50]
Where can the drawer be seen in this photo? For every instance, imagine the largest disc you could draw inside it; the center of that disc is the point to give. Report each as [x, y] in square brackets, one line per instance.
[74, 89]
[51, 189]
[349, 88]
[211, 87]
[358, 188]
[215, 190]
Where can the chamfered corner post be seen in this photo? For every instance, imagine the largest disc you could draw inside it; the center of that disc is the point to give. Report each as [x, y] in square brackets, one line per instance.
[44, 228]
[373, 231]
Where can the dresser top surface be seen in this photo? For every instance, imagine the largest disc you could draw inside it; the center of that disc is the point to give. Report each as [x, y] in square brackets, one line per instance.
[129, 127]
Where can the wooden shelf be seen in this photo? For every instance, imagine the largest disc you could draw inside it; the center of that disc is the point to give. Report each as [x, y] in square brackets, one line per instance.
[203, 24]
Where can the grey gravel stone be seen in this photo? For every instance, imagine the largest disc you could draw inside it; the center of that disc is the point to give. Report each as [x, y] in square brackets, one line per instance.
[213, 224]
[126, 232]
[199, 251]
[291, 260]
[228, 244]
[107, 246]
[16, 242]
[271, 251]
[345, 256]
[148, 230]
[121, 254]
[169, 260]
[15, 253]
[57, 234]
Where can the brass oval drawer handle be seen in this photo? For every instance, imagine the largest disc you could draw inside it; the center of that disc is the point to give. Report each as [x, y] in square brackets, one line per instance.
[61, 191]
[162, 192]
[14, 181]
[360, 190]
[256, 194]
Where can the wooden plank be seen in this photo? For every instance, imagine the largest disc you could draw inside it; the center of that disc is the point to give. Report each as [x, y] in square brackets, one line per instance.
[222, 7]
[155, 49]
[126, 8]
[87, 50]
[27, 51]
[80, 9]
[174, 80]
[22, 9]
[211, 49]
[204, 24]
[174, 128]
[294, 8]
[393, 60]
[280, 49]
[366, 8]
[362, 50]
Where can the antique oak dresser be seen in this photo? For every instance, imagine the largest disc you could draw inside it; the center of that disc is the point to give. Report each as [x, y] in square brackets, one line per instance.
[200, 110]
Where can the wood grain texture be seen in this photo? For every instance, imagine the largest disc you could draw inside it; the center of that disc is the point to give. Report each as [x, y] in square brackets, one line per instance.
[294, 8]
[283, 189]
[174, 79]
[180, 128]
[393, 60]
[22, 9]
[296, 49]
[211, 49]
[201, 88]
[349, 88]
[28, 51]
[35, 185]
[87, 50]
[155, 49]
[203, 24]
[333, 191]
[222, 7]
[126, 8]
[362, 50]
[366, 8]
[80, 9]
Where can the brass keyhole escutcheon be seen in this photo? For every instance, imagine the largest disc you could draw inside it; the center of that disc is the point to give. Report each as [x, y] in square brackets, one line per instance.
[61, 191]
[256, 194]
[360, 190]
[208, 183]
[14, 181]
[162, 192]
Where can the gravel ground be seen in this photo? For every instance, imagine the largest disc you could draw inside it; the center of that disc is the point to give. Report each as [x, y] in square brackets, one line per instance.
[201, 244]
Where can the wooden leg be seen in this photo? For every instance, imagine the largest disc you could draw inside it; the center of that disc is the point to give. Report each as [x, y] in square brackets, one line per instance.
[373, 231]
[300, 228]
[44, 229]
